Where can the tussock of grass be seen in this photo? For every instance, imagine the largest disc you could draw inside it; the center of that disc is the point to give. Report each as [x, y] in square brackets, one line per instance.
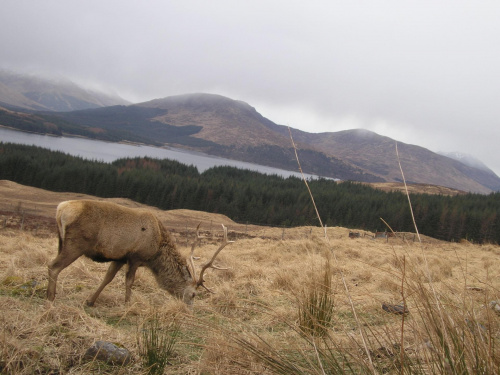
[156, 343]
[253, 322]
[316, 304]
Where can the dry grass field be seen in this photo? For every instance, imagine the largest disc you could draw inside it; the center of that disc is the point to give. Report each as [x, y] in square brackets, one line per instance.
[290, 302]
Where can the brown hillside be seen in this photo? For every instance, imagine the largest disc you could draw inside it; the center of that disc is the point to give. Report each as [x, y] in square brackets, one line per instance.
[38, 203]
[364, 155]
[377, 154]
[415, 188]
[224, 121]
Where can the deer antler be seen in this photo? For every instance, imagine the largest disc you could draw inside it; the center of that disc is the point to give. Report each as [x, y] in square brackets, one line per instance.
[209, 263]
[192, 257]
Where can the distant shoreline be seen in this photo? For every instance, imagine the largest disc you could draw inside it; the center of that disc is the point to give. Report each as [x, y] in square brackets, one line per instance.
[28, 131]
[69, 135]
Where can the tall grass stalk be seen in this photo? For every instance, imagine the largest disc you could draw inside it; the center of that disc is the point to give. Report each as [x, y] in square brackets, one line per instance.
[407, 194]
[403, 296]
[305, 181]
[458, 341]
[361, 331]
[427, 269]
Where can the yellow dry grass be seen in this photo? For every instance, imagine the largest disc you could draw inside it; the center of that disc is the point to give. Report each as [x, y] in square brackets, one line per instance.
[258, 294]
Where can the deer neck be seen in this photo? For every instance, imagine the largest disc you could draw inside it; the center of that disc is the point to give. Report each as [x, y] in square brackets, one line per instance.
[171, 270]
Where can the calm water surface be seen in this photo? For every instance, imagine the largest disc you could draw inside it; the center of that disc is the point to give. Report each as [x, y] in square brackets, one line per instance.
[108, 152]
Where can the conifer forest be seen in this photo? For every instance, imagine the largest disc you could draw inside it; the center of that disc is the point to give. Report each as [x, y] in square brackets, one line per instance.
[251, 197]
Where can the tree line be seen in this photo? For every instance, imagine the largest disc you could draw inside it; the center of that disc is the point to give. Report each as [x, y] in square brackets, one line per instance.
[248, 196]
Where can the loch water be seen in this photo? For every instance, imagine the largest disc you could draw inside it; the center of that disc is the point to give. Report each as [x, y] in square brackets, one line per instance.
[110, 151]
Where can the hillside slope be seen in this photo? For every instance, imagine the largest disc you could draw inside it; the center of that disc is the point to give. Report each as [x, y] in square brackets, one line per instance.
[224, 121]
[377, 154]
[36, 93]
[36, 204]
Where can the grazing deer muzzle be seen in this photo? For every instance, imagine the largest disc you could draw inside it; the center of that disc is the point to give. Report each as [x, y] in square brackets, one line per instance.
[108, 232]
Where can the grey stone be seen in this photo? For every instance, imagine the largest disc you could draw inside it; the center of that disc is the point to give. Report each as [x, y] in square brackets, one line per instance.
[495, 306]
[109, 353]
[395, 309]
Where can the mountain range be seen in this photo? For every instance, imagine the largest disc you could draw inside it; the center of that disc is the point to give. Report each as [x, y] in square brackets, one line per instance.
[221, 126]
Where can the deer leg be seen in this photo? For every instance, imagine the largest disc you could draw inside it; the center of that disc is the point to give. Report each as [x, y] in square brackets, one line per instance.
[62, 260]
[114, 267]
[129, 280]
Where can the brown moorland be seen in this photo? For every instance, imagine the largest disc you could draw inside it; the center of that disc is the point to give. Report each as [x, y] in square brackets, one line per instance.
[255, 322]
[416, 188]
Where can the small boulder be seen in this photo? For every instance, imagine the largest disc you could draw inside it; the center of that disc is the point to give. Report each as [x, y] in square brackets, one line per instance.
[109, 353]
[395, 309]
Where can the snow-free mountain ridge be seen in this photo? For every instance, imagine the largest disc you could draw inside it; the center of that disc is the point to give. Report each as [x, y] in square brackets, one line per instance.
[221, 126]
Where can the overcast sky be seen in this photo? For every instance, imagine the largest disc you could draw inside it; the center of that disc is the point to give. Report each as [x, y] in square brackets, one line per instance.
[421, 72]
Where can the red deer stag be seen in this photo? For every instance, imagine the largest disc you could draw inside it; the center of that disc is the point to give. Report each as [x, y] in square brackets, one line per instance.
[108, 232]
